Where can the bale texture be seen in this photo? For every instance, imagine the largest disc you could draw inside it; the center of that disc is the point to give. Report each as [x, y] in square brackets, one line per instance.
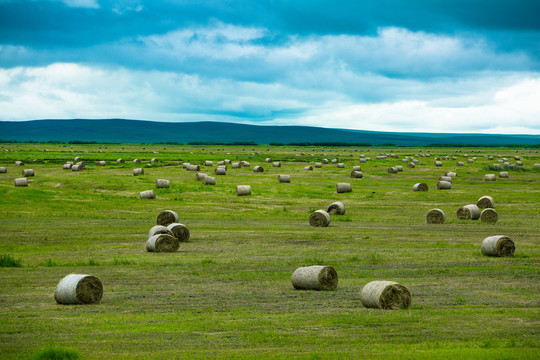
[468, 212]
[220, 171]
[319, 218]
[490, 177]
[199, 176]
[284, 178]
[138, 171]
[489, 215]
[167, 217]
[119, 161]
[258, 169]
[148, 194]
[343, 188]
[435, 216]
[179, 231]
[336, 208]
[485, 202]
[67, 166]
[162, 183]
[318, 164]
[444, 185]
[276, 164]
[158, 229]
[392, 170]
[3, 170]
[19, 163]
[242, 190]
[136, 161]
[316, 277]
[399, 168]
[309, 167]
[162, 243]
[503, 174]
[420, 187]
[438, 163]
[340, 165]
[28, 172]
[208, 163]
[388, 295]
[77, 168]
[78, 289]
[192, 167]
[445, 178]
[498, 245]
[451, 174]
[101, 163]
[21, 182]
[356, 174]
[208, 180]
[357, 168]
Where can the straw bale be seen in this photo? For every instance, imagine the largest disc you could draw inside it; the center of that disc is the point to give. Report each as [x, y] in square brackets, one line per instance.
[179, 231]
[220, 171]
[21, 182]
[388, 295]
[242, 190]
[356, 174]
[503, 174]
[119, 161]
[138, 171]
[420, 187]
[316, 277]
[199, 176]
[468, 212]
[3, 170]
[498, 245]
[309, 167]
[490, 177]
[392, 170]
[158, 229]
[78, 289]
[148, 194]
[258, 169]
[343, 188]
[336, 208]
[208, 163]
[489, 215]
[162, 243]
[319, 218]
[485, 202]
[435, 216]
[28, 172]
[208, 180]
[284, 178]
[162, 183]
[444, 185]
[167, 217]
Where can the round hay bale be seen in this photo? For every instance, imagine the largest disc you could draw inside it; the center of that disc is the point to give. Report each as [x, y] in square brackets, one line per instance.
[490, 177]
[336, 208]
[28, 172]
[167, 217]
[158, 229]
[199, 176]
[208, 163]
[101, 163]
[162, 243]
[498, 245]
[138, 171]
[392, 170]
[435, 216]
[185, 165]
[258, 169]
[438, 163]
[162, 183]
[343, 188]
[77, 158]
[242, 190]
[460, 163]
[67, 166]
[399, 168]
[235, 165]
[519, 163]
[324, 161]
[356, 174]
[318, 164]
[334, 161]
[208, 180]
[362, 160]
[78, 289]
[319, 218]
[489, 215]
[136, 161]
[420, 187]
[220, 171]
[220, 163]
[284, 178]
[309, 167]
[445, 178]
[388, 295]
[268, 160]
[3, 170]
[154, 160]
[340, 165]
[536, 166]
[316, 277]
[192, 167]
[77, 167]
[19, 163]
[357, 168]
[179, 231]
[444, 185]
[503, 174]
[244, 164]
[450, 174]
[148, 194]
[468, 212]
[21, 182]
[485, 202]
[119, 161]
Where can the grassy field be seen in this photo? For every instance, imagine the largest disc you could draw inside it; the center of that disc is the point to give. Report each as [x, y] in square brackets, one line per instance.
[227, 292]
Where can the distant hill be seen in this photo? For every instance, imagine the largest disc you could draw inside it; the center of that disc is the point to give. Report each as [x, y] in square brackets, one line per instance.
[137, 131]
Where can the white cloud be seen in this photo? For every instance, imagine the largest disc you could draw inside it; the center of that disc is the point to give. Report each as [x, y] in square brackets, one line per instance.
[90, 4]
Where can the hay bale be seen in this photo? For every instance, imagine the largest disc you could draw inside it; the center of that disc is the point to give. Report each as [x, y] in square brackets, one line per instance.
[420, 187]
[148, 194]
[435, 216]
[284, 178]
[78, 289]
[468, 212]
[258, 169]
[460, 163]
[438, 163]
[392, 170]
[489, 215]
[399, 168]
[136, 161]
[77, 168]
[138, 171]
[268, 160]
[388, 295]
[319, 218]
[324, 161]
[162, 243]
[154, 160]
[77, 158]
[118, 161]
[3, 170]
[485, 202]
[336, 208]
[450, 174]
[276, 164]
[67, 166]
[490, 177]
[19, 163]
[162, 183]
[235, 165]
[185, 165]
[340, 165]
[242, 190]
[498, 245]
[208, 180]
[316, 277]
[21, 182]
[309, 167]
[343, 188]
[444, 185]
[167, 217]
[28, 172]
[411, 165]
[357, 168]
[503, 174]
[192, 167]
[244, 164]
[101, 163]
[356, 174]
[220, 171]
[318, 165]
[208, 163]
[519, 163]
[334, 161]
[536, 166]
[445, 178]
[158, 229]
[199, 176]
[179, 231]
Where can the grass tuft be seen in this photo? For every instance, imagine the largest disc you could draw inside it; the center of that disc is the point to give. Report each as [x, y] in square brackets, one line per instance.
[56, 353]
[9, 261]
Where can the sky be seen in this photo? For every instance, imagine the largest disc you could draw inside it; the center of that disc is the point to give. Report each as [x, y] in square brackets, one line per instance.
[460, 66]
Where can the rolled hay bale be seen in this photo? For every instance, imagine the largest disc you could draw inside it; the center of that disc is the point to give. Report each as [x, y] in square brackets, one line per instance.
[411, 165]
[324, 161]
[490, 177]
[235, 165]
[268, 160]
[222, 163]
[536, 166]
[489, 215]
[356, 174]
[340, 165]
[357, 168]
[159, 229]
[388, 295]
[136, 161]
[444, 185]
[208, 163]
[309, 167]
[392, 170]
[445, 178]
[77, 158]
[316, 277]
[460, 163]
[242, 190]
[154, 160]
[19, 163]
[167, 217]
[244, 164]
[3, 170]
[208, 180]
[438, 163]
[468, 212]
[343, 188]
[470, 161]
[220, 171]
[78, 289]
[336, 208]
[485, 202]
[28, 172]
[503, 174]
[120, 161]
[148, 194]
[179, 231]
[362, 160]
[21, 182]
[258, 169]
[185, 165]
[334, 161]
[450, 174]
[318, 164]
[319, 218]
[420, 187]
[519, 163]
[77, 168]
[192, 167]
[162, 183]
[399, 168]
[498, 245]
[199, 176]
[276, 164]
[284, 178]
[162, 243]
[138, 171]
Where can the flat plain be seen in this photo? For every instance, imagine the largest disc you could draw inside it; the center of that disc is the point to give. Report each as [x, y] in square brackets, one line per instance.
[227, 292]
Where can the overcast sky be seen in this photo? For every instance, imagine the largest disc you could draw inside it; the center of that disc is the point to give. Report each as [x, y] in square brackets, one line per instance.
[387, 65]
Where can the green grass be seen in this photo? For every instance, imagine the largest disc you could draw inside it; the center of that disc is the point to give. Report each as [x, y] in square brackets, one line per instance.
[227, 292]
[56, 353]
[9, 261]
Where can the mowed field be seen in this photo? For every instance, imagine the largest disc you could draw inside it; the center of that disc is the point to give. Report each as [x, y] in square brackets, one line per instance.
[227, 292]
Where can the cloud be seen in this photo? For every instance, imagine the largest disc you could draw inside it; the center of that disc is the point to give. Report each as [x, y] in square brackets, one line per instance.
[89, 4]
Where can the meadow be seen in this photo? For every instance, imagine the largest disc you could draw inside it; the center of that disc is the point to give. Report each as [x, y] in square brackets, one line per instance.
[227, 292]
